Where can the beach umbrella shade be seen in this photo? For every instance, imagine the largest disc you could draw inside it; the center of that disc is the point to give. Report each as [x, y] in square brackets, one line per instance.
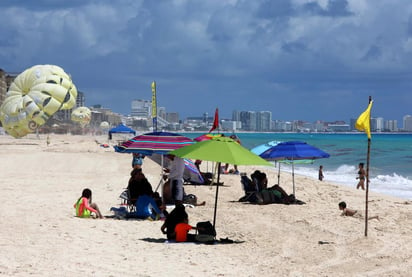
[153, 143]
[263, 147]
[293, 151]
[220, 150]
[207, 137]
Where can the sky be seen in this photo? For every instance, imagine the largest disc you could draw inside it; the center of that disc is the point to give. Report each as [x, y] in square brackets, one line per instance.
[300, 59]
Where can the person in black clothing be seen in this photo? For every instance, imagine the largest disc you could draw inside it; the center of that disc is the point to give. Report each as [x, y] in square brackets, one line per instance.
[138, 185]
[176, 216]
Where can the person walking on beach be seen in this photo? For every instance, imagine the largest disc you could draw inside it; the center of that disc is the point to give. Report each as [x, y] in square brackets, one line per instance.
[350, 212]
[321, 173]
[84, 206]
[361, 177]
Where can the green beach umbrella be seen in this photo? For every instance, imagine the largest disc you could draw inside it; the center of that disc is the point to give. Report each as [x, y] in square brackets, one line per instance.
[220, 150]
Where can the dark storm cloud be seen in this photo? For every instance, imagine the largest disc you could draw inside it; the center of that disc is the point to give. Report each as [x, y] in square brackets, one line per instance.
[300, 59]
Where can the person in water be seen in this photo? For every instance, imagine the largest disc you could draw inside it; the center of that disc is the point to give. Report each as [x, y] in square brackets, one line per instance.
[320, 173]
[84, 206]
[361, 177]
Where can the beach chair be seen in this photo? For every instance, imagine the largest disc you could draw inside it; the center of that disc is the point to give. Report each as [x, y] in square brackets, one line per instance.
[127, 201]
[249, 187]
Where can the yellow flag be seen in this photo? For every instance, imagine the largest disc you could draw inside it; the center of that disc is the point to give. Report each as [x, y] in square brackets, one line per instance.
[364, 121]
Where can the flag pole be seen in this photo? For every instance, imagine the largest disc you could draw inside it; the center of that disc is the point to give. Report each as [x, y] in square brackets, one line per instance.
[367, 179]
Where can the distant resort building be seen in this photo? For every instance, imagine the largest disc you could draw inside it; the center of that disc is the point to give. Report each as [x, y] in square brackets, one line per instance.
[407, 123]
[338, 128]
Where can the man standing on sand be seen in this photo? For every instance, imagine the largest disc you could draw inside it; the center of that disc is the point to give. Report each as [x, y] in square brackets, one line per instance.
[176, 170]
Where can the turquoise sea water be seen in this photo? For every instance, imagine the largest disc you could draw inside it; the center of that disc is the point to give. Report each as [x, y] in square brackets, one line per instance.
[390, 160]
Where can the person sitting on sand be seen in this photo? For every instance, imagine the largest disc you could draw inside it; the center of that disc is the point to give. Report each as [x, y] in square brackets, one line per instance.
[147, 208]
[260, 179]
[281, 194]
[84, 206]
[176, 216]
[138, 185]
[182, 231]
[350, 212]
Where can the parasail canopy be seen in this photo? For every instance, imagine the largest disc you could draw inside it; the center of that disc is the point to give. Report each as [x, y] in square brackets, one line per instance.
[34, 96]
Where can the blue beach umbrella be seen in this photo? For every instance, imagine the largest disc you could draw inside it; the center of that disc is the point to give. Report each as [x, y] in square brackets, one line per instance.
[293, 151]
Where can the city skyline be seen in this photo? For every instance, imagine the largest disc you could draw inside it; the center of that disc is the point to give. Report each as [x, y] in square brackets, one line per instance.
[263, 120]
[210, 114]
[312, 60]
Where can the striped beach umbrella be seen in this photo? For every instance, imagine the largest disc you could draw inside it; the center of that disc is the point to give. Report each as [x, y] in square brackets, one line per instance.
[154, 143]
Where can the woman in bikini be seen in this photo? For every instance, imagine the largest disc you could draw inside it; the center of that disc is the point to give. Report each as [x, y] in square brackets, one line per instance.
[361, 177]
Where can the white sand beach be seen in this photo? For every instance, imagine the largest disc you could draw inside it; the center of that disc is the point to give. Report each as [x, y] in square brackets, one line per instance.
[40, 236]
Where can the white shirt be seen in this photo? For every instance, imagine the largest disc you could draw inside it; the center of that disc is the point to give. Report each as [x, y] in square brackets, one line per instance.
[176, 168]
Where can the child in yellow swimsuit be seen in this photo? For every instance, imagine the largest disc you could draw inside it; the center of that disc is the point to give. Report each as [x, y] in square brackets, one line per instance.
[84, 207]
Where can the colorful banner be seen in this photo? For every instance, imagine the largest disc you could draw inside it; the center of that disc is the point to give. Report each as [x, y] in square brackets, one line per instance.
[154, 106]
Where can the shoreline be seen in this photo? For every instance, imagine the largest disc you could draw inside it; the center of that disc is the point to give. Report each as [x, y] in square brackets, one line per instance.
[281, 239]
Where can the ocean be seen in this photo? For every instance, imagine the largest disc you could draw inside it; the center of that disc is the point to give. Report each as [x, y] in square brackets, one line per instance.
[390, 170]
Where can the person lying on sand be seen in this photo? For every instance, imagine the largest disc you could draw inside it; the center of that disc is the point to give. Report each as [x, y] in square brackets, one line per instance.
[350, 212]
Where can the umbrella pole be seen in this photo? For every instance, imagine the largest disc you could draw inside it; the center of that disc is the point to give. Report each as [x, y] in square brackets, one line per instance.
[161, 176]
[279, 174]
[217, 193]
[293, 177]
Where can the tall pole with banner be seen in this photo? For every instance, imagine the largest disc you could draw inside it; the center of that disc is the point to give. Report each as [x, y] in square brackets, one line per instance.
[364, 124]
[154, 106]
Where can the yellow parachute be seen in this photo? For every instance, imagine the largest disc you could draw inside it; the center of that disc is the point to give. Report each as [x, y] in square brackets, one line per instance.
[34, 96]
[82, 115]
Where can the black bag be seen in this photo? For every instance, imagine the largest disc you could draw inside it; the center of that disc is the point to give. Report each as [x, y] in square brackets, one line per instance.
[205, 232]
